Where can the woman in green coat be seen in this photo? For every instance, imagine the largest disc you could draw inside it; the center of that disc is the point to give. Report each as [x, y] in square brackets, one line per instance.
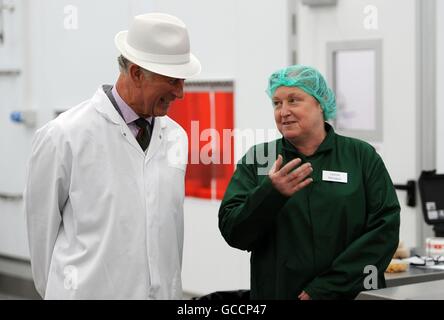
[325, 216]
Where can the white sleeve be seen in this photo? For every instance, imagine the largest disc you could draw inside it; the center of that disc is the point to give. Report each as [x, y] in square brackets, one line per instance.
[45, 195]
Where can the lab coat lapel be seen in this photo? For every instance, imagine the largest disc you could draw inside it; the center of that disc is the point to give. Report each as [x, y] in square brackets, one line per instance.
[105, 108]
[109, 112]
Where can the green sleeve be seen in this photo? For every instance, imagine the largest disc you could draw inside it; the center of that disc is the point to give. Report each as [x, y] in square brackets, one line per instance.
[249, 207]
[375, 246]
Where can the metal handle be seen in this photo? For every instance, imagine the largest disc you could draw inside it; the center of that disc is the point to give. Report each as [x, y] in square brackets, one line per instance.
[12, 197]
[410, 187]
[10, 72]
[4, 7]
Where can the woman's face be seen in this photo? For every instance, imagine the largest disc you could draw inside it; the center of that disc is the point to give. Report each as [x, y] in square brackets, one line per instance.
[297, 114]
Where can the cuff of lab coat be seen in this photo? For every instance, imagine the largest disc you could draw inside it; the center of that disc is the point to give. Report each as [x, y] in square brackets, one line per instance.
[277, 199]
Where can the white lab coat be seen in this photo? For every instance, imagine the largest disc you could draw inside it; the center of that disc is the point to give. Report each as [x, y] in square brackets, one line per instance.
[105, 220]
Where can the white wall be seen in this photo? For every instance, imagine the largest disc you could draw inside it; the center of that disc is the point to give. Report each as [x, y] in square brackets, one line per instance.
[212, 28]
[440, 87]
[396, 19]
[68, 65]
[14, 140]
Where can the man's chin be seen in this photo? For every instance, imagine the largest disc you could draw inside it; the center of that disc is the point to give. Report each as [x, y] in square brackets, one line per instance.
[161, 111]
[160, 114]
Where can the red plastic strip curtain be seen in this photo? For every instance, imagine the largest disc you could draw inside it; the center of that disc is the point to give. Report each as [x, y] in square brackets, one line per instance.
[224, 126]
[207, 117]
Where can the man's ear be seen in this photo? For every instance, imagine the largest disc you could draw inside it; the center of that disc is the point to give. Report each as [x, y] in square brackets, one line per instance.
[136, 75]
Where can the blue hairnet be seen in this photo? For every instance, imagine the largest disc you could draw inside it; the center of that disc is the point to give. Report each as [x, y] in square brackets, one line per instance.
[308, 79]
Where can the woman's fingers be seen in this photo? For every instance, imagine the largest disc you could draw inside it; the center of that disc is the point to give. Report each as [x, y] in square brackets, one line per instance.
[301, 173]
[301, 185]
[276, 165]
[290, 178]
[290, 166]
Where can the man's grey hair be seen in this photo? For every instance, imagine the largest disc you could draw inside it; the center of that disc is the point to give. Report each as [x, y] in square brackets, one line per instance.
[124, 65]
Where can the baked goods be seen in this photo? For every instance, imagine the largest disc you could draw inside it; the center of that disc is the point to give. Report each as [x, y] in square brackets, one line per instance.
[402, 252]
[397, 265]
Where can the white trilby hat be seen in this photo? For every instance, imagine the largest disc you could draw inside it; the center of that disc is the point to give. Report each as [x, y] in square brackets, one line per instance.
[159, 43]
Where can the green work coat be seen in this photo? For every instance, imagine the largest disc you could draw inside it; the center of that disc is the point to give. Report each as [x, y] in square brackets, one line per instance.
[323, 237]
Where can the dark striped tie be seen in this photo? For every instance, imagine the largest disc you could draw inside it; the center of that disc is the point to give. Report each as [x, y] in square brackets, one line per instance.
[144, 135]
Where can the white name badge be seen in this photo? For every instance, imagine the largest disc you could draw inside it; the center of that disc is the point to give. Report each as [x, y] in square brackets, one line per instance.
[334, 176]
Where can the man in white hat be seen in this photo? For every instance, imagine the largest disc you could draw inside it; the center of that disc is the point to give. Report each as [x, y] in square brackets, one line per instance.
[105, 189]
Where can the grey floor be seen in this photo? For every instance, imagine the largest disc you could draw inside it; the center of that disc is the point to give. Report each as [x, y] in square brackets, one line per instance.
[9, 297]
[5, 296]
[16, 279]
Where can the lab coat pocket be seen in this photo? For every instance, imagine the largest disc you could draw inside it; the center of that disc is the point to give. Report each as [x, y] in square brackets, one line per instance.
[176, 158]
[173, 182]
[176, 151]
[178, 165]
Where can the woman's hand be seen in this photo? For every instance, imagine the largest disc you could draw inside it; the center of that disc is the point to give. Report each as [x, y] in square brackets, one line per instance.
[304, 296]
[288, 181]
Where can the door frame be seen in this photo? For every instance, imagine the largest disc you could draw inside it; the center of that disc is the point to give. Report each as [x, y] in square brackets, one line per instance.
[425, 99]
